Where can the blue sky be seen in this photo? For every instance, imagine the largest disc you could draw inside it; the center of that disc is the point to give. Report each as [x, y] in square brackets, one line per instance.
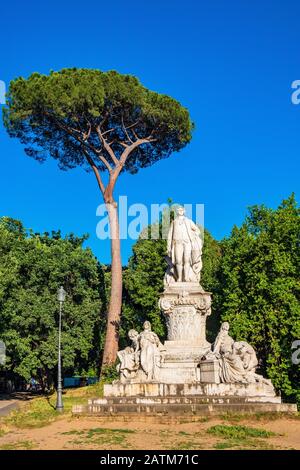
[231, 63]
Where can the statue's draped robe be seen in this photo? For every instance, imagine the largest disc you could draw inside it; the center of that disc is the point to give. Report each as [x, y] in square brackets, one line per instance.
[196, 252]
[150, 353]
[231, 365]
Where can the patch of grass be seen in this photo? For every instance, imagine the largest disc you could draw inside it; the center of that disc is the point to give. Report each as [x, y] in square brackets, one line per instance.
[40, 411]
[95, 390]
[108, 431]
[19, 445]
[243, 444]
[101, 437]
[240, 437]
[238, 432]
[72, 433]
[187, 445]
[260, 416]
[162, 431]
[225, 445]
[203, 419]
[36, 414]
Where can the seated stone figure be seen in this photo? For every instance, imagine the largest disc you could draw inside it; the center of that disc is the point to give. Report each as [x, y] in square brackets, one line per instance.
[141, 360]
[129, 358]
[237, 359]
[250, 362]
[231, 368]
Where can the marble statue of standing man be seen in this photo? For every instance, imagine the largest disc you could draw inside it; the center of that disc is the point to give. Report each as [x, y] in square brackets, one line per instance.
[184, 250]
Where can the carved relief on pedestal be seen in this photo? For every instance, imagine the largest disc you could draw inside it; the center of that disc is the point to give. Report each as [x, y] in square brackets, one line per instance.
[201, 303]
[181, 323]
[185, 315]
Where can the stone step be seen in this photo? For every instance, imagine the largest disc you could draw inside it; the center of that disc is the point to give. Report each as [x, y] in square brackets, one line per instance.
[187, 400]
[181, 409]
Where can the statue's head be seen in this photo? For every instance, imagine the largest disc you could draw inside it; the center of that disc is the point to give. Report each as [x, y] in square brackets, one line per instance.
[180, 210]
[132, 334]
[147, 326]
[239, 347]
[225, 326]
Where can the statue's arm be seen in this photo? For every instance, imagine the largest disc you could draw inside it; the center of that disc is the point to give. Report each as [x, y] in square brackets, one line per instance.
[196, 235]
[195, 228]
[217, 343]
[169, 241]
[137, 346]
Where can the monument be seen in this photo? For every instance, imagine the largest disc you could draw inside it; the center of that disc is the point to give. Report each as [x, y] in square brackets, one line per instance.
[186, 373]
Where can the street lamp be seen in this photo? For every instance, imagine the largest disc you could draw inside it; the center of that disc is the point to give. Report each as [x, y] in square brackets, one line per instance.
[61, 297]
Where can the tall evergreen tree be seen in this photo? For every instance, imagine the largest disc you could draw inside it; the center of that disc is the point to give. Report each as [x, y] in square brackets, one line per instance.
[105, 122]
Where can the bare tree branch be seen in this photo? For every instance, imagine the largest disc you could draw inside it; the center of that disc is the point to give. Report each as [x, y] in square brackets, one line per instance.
[107, 146]
[123, 144]
[135, 135]
[130, 149]
[95, 170]
[109, 130]
[87, 134]
[96, 151]
[104, 161]
[133, 125]
[125, 130]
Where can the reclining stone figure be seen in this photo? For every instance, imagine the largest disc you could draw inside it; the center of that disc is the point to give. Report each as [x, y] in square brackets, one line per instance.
[237, 359]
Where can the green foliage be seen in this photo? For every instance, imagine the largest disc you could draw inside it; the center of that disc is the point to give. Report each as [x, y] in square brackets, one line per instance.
[143, 281]
[32, 267]
[49, 113]
[261, 290]
[211, 257]
[109, 373]
[38, 414]
[101, 437]
[238, 432]
[18, 445]
[240, 437]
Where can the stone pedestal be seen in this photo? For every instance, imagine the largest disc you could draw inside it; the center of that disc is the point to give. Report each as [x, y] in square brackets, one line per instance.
[254, 391]
[209, 371]
[190, 401]
[185, 307]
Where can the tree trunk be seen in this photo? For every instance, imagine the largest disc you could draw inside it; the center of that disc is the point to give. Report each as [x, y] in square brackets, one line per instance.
[115, 304]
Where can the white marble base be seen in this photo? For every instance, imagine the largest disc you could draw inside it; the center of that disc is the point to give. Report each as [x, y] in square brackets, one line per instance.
[253, 392]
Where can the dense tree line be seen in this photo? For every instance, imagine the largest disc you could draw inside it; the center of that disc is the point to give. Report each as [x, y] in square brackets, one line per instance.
[259, 283]
[32, 266]
[253, 275]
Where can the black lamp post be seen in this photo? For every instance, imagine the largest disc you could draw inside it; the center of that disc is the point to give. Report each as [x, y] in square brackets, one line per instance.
[61, 297]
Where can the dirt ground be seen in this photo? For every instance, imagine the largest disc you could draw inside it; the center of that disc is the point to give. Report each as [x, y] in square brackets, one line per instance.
[70, 432]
